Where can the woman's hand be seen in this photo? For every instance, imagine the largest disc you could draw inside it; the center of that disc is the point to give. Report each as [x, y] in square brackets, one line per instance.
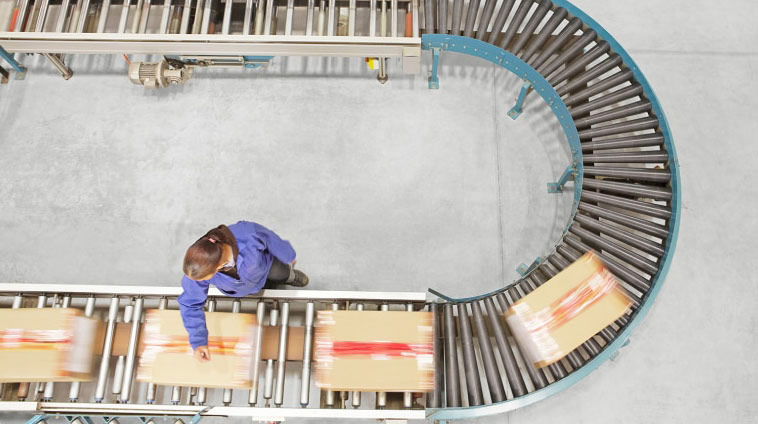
[294, 262]
[202, 354]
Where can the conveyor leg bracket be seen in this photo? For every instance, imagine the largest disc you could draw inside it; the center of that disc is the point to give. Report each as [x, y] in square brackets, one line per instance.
[434, 80]
[20, 70]
[37, 418]
[524, 270]
[568, 174]
[515, 112]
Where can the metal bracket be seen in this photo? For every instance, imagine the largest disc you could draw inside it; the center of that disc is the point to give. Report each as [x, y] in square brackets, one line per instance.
[524, 270]
[37, 418]
[79, 419]
[568, 174]
[434, 81]
[515, 112]
[20, 70]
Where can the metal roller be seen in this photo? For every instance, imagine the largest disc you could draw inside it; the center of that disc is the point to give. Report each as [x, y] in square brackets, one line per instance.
[356, 402]
[452, 378]
[645, 208]
[574, 50]
[268, 379]
[580, 64]
[513, 376]
[165, 17]
[381, 397]
[555, 20]
[429, 16]
[484, 21]
[49, 387]
[83, 12]
[617, 96]
[620, 271]
[260, 12]
[473, 10]
[636, 174]
[107, 348]
[608, 244]
[205, 25]
[502, 16]
[186, 11]
[393, 20]
[269, 17]
[534, 21]
[556, 368]
[415, 17]
[290, 16]
[629, 157]
[227, 19]
[248, 19]
[471, 370]
[598, 87]
[629, 189]
[147, 5]
[282, 359]
[372, 18]
[630, 221]
[330, 29]
[645, 140]
[41, 15]
[23, 11]
[260, 314]
[442, 17]
[228, 393]
[556, 44]
[63, 14]
[330, 393]
[558, 261]
[434, 398]
[305, 376]
[494, 383]
[626, 111]
[580, 81]
[124, 17]
[131, 354]
[202, 392]
[457, 15]
[518, 18]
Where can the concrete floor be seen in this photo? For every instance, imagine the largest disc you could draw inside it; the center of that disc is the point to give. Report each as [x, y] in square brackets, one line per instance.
[398, 187]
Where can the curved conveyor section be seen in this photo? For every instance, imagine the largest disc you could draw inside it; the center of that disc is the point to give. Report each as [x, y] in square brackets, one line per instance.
[627, 194]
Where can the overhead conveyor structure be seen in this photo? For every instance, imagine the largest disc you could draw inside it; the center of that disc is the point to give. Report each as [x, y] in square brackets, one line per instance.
[624, 171]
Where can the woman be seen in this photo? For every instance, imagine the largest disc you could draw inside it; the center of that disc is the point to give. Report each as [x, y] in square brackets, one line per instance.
[240, 260]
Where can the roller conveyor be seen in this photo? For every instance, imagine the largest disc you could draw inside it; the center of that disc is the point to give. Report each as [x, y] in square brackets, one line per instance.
[627, 196]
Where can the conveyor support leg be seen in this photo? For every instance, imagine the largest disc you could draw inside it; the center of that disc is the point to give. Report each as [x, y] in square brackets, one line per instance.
[37, 418]
[434, 81]
[518, 108]
[524, 270]
[557, 187]
[20, 70]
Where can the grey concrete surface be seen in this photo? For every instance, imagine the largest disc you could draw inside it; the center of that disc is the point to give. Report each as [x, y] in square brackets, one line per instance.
[400, 188]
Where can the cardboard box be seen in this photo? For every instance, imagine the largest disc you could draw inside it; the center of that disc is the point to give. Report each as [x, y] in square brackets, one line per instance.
[567, 310]
[49, 344]
[372, 351]
[167, 357]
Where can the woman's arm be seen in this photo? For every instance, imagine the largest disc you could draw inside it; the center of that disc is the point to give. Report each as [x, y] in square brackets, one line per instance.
[281, 249]
[191, 303]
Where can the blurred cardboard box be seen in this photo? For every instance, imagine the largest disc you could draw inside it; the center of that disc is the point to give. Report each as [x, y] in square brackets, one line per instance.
[167, 358]
[567, 310]
[49, 344]
[372, 351]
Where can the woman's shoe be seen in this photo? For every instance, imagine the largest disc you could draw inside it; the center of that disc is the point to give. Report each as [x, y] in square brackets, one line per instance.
[297, 279]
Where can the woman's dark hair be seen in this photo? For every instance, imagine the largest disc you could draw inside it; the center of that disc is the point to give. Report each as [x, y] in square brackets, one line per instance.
[203, 256]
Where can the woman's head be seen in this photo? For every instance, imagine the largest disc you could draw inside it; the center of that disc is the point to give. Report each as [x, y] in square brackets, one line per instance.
[210, 253]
